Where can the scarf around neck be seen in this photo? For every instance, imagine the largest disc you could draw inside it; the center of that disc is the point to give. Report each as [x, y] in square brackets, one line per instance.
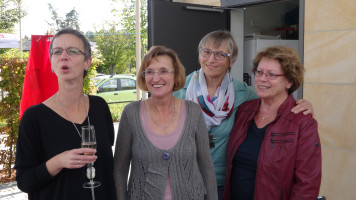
[217, 108]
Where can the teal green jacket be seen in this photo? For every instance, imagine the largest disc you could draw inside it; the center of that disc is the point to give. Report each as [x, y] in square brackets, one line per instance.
[243, 93]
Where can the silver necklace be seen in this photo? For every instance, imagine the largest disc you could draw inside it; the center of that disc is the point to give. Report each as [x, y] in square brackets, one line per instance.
[172, 119]
[60, 104]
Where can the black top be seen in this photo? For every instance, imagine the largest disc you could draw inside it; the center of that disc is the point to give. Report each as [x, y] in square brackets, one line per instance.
[244, 166]
[43, 134]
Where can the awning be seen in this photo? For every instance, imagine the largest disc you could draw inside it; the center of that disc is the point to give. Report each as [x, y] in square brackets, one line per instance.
[8, 41]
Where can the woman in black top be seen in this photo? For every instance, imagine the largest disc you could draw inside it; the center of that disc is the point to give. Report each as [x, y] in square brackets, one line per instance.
[50, 163]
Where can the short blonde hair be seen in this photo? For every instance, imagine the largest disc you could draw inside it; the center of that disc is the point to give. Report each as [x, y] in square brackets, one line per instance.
[219, 38]
[153, 53]
[290, 64]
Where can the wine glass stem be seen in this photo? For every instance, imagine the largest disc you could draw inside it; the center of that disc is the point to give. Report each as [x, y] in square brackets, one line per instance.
[90, 165]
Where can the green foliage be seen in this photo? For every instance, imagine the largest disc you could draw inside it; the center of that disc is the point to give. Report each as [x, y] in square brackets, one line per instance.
[2, 123]
[116, 110]
[2, 51]
[88, 85]
[128, 18]
[128, 22]
[90, 36]
[13, 67]
[71, 20]
[10, 14]
[117, 45]
[113, 46]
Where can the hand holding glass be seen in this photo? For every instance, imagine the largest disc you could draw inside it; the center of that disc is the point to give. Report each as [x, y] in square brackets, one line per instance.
[89, 141]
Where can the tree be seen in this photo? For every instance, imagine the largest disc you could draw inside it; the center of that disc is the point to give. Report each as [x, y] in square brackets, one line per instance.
[117, 45]
[128, 22]
[112, 45]
[71, 20]
[10, 14]
[90, 36]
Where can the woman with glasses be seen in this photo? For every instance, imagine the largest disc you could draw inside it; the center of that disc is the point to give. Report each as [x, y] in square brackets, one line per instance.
[50, 163]
[273, 153]
[219, 95]
[163, 138]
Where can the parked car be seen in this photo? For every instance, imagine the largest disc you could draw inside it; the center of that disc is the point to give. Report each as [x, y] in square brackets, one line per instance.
[116, 88]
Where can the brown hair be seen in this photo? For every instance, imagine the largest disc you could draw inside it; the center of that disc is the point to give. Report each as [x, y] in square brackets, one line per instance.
[290, 64]
[71, 31]
[153, 53]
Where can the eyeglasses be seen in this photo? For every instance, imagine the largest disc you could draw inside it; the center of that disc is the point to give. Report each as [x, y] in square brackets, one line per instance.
[70, 51]
[162, 73]
[219, 55]
[269, 75]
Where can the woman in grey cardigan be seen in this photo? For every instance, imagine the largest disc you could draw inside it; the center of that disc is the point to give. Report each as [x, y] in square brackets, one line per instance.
[164, 138]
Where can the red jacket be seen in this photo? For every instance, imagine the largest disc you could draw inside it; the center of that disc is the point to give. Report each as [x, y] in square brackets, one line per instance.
[289, 162]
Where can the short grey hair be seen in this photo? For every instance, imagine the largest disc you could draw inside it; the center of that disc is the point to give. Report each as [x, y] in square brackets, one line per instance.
[217, 38]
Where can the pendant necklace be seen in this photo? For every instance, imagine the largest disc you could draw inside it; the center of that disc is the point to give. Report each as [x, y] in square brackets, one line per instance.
[86, 110]
[263, 117]
[172, 119]
[90, 172]
[266, 116]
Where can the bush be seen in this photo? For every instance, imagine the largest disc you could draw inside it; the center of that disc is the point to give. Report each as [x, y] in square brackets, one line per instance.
[116, 110]
[88, 85]
[13, 67]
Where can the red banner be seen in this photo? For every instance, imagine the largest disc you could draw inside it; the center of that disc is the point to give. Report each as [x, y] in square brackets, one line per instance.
[40, 82]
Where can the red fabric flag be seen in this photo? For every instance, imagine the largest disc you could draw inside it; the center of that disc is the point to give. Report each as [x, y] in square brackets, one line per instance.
[40, 82]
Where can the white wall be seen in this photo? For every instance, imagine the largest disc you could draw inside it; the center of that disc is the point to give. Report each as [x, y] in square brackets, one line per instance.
[237, 30]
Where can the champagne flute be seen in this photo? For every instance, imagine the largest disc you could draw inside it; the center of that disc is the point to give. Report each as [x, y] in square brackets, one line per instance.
[89, 141]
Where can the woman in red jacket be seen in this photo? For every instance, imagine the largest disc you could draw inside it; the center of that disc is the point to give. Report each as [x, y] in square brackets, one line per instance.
[273, 153]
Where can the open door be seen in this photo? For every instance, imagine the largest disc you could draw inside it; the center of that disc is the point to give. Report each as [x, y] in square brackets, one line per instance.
[181, 26]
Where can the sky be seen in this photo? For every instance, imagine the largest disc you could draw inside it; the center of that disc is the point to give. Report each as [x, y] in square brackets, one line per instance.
[91, 12]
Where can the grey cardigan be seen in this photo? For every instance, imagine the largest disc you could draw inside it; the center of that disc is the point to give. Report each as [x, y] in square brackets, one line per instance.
[189, 162]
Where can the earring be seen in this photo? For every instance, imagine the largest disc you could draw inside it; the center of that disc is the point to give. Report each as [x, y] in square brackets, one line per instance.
[230, 74]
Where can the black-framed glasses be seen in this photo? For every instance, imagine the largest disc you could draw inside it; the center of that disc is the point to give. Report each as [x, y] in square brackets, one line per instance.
[70, 51]
[162, 73]
[269, 75]
[219, 55]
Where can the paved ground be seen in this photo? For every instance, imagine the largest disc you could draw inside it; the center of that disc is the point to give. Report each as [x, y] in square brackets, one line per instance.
[9, 191]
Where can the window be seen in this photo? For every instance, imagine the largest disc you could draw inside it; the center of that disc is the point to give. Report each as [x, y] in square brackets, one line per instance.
[127, 84]
[109, 86]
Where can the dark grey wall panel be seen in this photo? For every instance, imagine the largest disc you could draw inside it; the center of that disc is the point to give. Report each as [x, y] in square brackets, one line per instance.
[173, 25]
